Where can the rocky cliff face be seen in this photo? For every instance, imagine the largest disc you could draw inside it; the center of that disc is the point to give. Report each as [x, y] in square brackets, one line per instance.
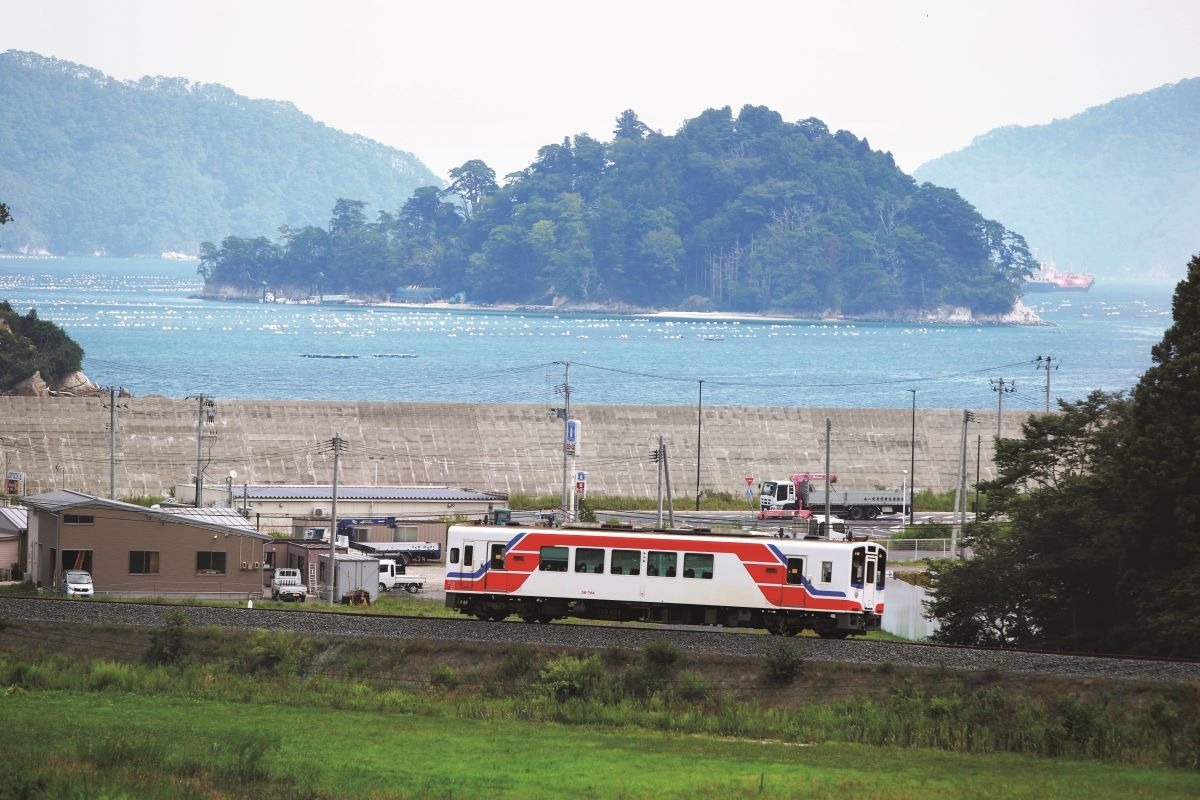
[74, 385]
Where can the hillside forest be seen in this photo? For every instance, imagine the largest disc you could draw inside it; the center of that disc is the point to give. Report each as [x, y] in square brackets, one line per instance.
[742, 213]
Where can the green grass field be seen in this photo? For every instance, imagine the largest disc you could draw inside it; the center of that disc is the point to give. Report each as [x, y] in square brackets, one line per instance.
[113, 744]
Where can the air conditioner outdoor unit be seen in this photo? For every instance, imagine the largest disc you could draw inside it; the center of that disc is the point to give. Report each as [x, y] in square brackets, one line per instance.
[319, 511]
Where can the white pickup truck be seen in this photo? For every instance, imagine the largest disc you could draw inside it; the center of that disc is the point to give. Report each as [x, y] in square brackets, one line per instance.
[288, 584]
[393, 575]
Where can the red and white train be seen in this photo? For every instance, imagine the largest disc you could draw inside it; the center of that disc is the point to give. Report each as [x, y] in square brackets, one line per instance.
[736, 581]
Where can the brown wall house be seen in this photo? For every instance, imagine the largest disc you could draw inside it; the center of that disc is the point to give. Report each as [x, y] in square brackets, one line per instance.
[138, 551]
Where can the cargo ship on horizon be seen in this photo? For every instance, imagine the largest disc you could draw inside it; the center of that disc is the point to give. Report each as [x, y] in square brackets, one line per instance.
[1047, 278]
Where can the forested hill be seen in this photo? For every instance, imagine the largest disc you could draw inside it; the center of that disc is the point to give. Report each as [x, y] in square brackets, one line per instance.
[1114, 190]
[90, 164]
[744, 213]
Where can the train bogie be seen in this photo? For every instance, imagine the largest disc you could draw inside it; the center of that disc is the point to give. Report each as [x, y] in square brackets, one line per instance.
[783, 586]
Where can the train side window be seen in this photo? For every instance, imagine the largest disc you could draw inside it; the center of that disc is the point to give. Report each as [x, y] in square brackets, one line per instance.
[795, 571]
[626, 562]
[826, 572]
[589, 559]
[553, 559]
[698, 565]
[661, 563]
[497, 555]
[453, 555]
[468, 555]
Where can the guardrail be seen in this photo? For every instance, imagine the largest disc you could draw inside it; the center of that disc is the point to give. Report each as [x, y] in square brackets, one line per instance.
[917, 549]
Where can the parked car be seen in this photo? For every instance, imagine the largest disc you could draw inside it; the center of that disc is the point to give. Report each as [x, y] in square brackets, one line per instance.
[77, 583]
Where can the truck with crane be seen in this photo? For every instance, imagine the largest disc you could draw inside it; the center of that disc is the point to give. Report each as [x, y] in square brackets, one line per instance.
[782, 498]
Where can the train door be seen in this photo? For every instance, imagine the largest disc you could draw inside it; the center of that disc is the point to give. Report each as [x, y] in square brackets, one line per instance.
[864, 566]
[494, 575]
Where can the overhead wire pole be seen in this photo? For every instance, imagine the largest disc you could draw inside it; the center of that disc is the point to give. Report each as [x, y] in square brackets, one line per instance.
[566, 417]
[337, 444]
[1000, 386]
[912, 459]
[699, 422]
[960, 488]
[204, 401]
[1046, 362]
[112, 443]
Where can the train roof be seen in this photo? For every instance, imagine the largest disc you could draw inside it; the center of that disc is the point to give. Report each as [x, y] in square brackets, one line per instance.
[624, 530]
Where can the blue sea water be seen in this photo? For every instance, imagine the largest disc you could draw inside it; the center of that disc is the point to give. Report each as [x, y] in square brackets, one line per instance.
[141, 329]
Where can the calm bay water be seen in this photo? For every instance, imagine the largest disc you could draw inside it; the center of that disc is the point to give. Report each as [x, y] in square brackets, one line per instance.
[140, 330]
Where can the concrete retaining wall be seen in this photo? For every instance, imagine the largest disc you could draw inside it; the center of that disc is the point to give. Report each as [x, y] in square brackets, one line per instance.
[64, 442]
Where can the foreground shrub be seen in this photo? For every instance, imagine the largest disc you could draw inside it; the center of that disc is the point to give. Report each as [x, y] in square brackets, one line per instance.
[568, 677]
[169, 644]
[784, 661]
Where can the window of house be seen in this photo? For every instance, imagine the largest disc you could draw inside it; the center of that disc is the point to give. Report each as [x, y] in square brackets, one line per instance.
[78, 519]
[661, 563]
[552, 559]
[589, 559]
[626, 562]
[210, 563]
[826, 571]
[143, 562]
[698, 565]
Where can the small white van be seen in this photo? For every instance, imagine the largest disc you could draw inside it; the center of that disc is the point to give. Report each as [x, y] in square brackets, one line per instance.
[77, 583]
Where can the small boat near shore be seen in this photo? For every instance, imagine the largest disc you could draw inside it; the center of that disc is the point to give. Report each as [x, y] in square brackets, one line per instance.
[327, 355]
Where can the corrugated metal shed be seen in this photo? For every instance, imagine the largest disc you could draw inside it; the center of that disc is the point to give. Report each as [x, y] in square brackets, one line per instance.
[13, 519]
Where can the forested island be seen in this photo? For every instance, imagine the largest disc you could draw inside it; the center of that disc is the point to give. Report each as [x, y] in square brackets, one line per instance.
[745, 213]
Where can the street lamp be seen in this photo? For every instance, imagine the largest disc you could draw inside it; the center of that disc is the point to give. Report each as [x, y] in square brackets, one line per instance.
[229, 485]
[904, 495]
[699, 423]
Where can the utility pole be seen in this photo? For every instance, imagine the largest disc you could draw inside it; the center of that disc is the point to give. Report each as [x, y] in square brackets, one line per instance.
[999, 386]
[1046, 363]
[828, 435]
[206, 414]
[960, 488]
[657, 457]
[337, 445]
[667, 473]
[912, 459]
[112, 442]
[565, 391]
[978, 450]
[699, 418]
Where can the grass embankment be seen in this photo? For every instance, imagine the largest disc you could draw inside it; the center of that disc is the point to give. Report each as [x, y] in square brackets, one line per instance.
[274, 715]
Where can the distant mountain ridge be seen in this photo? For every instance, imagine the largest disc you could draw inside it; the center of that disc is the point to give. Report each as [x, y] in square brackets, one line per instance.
[1114, 190]
[92, 164]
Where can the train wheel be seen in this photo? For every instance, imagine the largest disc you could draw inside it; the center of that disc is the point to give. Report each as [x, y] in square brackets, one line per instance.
[545, 619]
[530, 618]
[774, 626]
[483, 615]
[833, 634]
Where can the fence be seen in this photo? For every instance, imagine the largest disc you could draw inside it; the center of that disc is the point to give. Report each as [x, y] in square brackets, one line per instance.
[904, 611]
[917, 549]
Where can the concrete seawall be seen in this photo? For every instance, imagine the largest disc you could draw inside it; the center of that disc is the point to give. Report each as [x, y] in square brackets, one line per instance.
[64, 443]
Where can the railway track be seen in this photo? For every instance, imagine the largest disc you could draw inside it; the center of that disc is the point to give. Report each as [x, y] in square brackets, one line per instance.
[584, 636]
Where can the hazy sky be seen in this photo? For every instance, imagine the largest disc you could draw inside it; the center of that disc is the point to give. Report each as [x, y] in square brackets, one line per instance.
[496, 80]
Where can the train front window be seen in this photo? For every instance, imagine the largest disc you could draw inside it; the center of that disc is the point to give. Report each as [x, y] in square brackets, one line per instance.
[553, 559]
[882, 569]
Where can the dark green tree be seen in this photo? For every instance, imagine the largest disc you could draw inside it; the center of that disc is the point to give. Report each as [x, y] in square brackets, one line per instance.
[1092, 535]
[472, 182]
[5, 216]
